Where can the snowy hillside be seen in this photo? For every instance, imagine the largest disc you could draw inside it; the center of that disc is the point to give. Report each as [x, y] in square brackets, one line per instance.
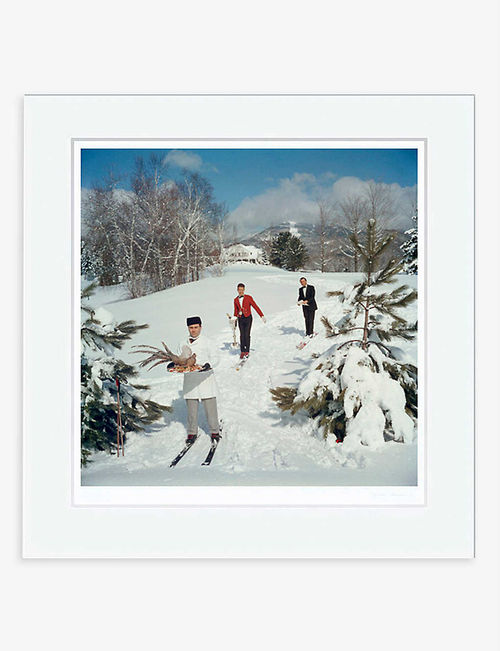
[261, 444]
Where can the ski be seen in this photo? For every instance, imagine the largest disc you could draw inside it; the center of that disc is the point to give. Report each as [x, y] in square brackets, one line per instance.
[241, 363]
[211, 452]
[304, 342]
[184, 450]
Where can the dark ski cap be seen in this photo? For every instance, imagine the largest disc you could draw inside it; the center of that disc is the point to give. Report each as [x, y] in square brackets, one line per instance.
[193, 320]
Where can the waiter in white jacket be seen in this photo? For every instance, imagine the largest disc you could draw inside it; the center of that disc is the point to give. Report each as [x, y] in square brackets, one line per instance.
[200, 385]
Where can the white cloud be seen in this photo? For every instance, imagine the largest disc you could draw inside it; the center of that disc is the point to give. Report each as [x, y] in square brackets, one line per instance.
[403, 198]
[295, 199]
[329, 176]
[303, 178]
[188, 160]
[185, 159]
[344, 187]
[288, 201]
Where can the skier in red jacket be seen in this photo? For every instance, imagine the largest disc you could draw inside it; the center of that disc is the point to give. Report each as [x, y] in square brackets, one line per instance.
[242, 310]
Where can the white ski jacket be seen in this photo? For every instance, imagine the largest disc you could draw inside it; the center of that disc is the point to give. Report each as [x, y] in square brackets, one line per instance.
[198, 386]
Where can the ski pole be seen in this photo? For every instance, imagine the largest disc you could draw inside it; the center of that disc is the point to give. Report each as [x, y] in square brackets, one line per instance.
[233, 327]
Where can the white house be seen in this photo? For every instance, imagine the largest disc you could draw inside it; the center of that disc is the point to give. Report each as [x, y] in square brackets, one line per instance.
[242, 253]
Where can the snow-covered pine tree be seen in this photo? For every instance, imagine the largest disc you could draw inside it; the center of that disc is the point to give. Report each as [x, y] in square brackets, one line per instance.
[362, 389]
[100, 338]
[410, 248]
[288, 251]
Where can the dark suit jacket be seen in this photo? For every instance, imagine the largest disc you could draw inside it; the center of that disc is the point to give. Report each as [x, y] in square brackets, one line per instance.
[308, 296]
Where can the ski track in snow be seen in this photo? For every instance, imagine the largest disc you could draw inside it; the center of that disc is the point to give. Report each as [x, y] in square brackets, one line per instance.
[261, 444]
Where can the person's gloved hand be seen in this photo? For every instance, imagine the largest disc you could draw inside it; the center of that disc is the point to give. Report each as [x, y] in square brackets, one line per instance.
[206, 367]
[263, 319]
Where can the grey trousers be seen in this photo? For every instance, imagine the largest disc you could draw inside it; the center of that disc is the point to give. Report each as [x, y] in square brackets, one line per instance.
[210, 405]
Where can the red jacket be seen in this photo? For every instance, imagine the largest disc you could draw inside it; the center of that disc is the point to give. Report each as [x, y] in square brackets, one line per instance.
[248, 303]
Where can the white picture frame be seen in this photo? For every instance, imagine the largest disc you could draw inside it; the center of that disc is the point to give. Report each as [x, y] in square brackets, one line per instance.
[224, 522]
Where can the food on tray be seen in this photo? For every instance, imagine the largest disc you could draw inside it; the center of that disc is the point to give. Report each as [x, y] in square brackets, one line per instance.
[184, 369]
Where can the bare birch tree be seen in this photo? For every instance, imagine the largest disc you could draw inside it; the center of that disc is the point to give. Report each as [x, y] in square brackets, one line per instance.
[159, 233]
[379, 204]
[353, 217]
[322, 229]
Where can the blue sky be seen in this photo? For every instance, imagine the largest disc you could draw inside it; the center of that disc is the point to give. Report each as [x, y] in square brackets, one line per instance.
[262, 186]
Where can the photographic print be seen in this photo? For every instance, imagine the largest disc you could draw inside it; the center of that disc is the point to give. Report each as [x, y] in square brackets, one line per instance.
[249, 291]
[249, 316]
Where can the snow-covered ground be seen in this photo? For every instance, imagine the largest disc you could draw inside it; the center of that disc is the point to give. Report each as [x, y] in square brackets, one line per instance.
[261, 444]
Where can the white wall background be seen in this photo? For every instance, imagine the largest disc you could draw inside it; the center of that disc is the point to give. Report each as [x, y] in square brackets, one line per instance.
[433, 46]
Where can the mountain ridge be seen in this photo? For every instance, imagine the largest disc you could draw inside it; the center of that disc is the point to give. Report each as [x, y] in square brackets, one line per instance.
[337, 241]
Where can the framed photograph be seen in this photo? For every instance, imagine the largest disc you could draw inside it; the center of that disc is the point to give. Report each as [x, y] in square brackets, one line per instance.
[252, 347]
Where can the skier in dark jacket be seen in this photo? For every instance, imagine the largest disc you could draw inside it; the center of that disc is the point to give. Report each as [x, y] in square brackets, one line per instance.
[309, 306]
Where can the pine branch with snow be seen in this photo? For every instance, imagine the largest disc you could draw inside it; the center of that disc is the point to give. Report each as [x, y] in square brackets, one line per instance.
[101, 336]
[410, 248]
[285, 398]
